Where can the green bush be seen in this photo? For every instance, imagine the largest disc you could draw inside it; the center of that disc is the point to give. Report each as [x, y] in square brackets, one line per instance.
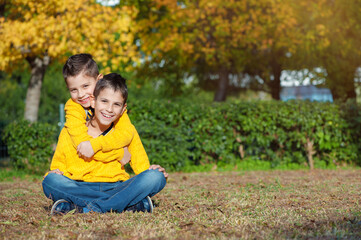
[165, 136]
[179, 134]
[30, 145]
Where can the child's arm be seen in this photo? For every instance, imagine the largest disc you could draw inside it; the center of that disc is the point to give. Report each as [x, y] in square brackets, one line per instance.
[119, 138]
[122, 155]
[78, 132]
[76, 123]
[139, 161]
[114, 155]
[126, 158]
[58, 164]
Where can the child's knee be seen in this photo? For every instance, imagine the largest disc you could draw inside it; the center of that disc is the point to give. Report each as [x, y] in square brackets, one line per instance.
[156, 176]
[54, 181]
[48, 183]
[51, 179]
[155, 173]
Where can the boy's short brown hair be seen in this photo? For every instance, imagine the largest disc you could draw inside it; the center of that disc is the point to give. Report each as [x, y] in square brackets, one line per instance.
[113, 81]
[80, 63]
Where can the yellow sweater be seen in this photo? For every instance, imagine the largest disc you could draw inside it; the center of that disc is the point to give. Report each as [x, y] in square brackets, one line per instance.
[104, 166]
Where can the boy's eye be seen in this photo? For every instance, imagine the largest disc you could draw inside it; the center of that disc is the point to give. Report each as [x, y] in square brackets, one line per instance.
[73, 90]
[104, 100]
[85, 86]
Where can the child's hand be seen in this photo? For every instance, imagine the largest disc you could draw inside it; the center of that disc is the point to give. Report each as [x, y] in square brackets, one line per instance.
[56, 171]
[160, 169]
[126, 158]
[85, 150]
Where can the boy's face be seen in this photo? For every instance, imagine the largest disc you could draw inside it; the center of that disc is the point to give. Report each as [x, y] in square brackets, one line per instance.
[108, 106]
[81, 88]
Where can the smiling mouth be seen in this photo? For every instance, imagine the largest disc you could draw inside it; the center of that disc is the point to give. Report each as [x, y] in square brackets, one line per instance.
[85, 100]
[107, 116]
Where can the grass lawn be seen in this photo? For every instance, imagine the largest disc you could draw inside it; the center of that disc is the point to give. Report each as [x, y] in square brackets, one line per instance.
[323, 204]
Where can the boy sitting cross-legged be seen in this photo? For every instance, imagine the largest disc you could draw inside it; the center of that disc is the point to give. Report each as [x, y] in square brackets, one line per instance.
[101, 183]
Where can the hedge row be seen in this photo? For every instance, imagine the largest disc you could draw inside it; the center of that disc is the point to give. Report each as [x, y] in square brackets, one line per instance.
[177, 134]
[30, 145]
[181, 134]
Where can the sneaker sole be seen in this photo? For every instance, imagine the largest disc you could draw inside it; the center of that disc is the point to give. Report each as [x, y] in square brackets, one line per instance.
[150, 204]
[53, 211]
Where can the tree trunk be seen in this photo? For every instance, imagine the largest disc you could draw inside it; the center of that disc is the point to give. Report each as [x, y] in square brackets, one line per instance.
[38, 67]
[310, 152]
[275, 85]
[221, 92]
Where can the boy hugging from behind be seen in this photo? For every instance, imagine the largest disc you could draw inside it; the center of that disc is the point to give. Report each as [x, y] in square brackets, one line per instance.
[87, 172]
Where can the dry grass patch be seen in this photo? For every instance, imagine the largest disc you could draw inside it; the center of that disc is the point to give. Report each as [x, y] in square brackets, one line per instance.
[322, 204]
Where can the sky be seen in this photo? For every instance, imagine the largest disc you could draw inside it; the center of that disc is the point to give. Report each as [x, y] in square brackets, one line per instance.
[108, 2]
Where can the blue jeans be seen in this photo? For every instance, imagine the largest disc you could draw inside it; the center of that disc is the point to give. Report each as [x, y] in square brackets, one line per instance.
[104, 196]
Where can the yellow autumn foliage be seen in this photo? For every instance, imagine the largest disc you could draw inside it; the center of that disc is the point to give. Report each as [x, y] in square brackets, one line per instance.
[219, 31]
[63, 27]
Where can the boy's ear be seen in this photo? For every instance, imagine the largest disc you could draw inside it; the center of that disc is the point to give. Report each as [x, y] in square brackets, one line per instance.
[124, 108]
[100, 76]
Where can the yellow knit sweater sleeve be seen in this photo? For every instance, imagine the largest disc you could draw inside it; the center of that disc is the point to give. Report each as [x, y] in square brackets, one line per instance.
[78, 131]
[114, 155]
[120, 138]
[59, 157]
[139, 159]
[108, 156]
[75, 123]
[66, 160]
